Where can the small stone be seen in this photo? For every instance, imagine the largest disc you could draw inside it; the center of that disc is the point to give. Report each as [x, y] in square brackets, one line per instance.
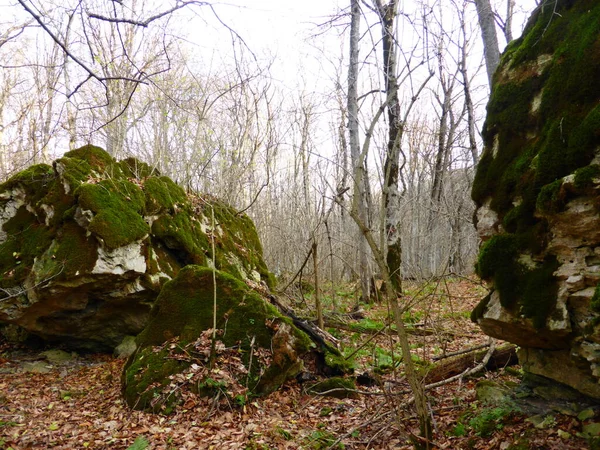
[58, 356]
[36, 367]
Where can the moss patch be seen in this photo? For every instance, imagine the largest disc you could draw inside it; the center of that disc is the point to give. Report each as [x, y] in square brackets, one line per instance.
[34, 180]
[117, 206]
[532, 290]
[162, 194]
[185, 308]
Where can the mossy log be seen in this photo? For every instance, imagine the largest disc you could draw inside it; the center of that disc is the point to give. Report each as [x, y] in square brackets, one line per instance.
[504, 355]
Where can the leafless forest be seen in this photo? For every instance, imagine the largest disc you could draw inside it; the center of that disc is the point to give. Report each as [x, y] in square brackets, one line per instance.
[389, 137]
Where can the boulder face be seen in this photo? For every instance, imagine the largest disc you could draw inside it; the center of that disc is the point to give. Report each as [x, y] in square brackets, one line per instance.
[87, 243]
[255, 351]
[537, 190]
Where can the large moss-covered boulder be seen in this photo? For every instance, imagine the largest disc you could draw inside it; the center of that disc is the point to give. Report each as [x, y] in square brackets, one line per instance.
[255, 350]
[87, 243]
[537, 190]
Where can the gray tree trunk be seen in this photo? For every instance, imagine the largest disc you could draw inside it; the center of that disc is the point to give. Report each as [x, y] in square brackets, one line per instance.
[489, 36]
[358, 169]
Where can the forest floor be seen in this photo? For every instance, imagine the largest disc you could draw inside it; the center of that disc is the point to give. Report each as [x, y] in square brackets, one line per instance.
[77, 404]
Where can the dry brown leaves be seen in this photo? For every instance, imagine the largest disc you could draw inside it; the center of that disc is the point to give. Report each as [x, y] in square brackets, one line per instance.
[78, 405]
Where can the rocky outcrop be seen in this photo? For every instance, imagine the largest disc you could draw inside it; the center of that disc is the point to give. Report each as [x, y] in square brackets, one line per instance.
[256, 348]
[87, 244]
[537, 190]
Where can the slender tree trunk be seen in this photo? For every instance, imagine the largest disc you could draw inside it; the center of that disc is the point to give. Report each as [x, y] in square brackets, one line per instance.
[391, 194]
[318, 304]
[358, 168]
[488, 34]
[466, 82]
[510, 9]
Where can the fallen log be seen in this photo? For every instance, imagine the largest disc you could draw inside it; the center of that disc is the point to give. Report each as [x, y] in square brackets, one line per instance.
[503, 356]
[318, 335]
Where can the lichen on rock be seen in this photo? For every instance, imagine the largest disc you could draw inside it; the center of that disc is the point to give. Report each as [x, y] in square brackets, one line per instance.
[537, 190]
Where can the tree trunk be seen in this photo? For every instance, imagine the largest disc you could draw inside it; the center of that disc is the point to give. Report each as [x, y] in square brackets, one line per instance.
[488, 34]
[391, 194]
[358, 170]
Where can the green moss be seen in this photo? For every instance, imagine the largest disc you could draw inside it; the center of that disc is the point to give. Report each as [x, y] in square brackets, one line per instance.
[584, 177]
[184, 310]
[241, 238]
[498, 261]
[540, 290]
[532, 290]
[536, 149]
[96, 158]
[551, 198]
[162, 194]
[147, 376]
[34, 180]
[595, 303]
[76, 251]
[338, 364]
[134, 168]
[184, 235]
[27, 238]
[117, 207]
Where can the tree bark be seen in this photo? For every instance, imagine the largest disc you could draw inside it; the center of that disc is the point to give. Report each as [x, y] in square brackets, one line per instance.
[489, 36]
[358, 169]
[391, 194]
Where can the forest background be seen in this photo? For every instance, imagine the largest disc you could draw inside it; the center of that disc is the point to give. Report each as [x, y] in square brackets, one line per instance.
[248, 101]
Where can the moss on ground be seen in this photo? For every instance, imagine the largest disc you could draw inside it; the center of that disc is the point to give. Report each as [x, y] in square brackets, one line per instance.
[145, 378]
[530, 149]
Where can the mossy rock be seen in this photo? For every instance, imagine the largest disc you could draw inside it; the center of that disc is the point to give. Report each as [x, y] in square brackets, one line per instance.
[87, 243]
[541, 135]
[184, 311]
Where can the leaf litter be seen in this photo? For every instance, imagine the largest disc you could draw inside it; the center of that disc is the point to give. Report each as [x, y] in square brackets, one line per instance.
[78, 405]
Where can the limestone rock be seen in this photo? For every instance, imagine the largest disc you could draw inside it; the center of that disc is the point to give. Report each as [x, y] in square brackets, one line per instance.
[87, 243]
[537, 189]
